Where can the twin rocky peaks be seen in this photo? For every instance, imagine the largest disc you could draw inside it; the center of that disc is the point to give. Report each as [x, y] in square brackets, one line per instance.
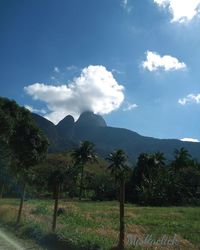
[67, 134]
[86, 119]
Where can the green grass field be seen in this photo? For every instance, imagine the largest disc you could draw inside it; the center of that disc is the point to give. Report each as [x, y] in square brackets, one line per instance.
[93, 224]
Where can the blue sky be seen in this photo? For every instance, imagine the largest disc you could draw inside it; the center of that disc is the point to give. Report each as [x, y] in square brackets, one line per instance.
[135, 62]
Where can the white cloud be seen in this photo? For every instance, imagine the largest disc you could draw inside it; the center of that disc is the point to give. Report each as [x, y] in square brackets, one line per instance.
[189, 99]
[95, 89]
[56, 69]
[130, 106]
[72, 67]
[125, 5]
[155, 62]
[181, 10]
[117, 71]
[33, 110]
[190, 140]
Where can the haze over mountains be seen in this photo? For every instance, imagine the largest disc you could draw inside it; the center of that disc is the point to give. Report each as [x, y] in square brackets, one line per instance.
[68, 134]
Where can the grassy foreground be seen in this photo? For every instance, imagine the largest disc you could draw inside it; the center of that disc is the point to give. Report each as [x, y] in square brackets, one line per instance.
[94, 225]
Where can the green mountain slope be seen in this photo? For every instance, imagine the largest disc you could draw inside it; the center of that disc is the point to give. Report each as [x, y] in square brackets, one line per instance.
[68, 134]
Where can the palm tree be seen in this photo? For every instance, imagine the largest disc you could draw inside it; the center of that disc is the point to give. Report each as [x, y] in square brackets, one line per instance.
[82, 155]
[118, 168]
[182, 158]
[159, 159]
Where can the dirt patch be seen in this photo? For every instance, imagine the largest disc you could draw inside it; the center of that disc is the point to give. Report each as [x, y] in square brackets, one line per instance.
[88, 216]
[5, 207]
[135, 229]
[101, 220]
[69, 206]
[130, 214]
[105, 232]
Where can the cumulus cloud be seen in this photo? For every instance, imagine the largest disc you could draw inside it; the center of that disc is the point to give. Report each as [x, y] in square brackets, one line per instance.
[130, 106]
[33, 110]
[155, 62]
[94, 90]
[189, 99]
[181, 11]
[190, 140]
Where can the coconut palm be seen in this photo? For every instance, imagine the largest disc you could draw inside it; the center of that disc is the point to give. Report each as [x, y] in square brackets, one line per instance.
[182, 158]
[118, 168]
[82, 155]
[159, 159]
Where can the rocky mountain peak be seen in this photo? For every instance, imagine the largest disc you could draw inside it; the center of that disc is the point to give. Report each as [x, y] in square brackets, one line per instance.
[66, 124]
[89, 119]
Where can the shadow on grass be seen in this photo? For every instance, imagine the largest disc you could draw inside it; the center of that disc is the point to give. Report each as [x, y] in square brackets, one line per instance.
[48, 241]
[52, 241]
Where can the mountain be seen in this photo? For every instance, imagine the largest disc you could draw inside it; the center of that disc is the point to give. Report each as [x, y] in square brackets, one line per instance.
[68, 134]
[59, 136]
[89, 119]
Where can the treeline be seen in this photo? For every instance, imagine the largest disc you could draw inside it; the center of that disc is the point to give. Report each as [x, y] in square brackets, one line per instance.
[152, 181]
[156, 182]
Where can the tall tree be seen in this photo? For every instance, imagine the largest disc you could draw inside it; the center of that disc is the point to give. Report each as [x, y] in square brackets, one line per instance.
[147, 178]
[148, 165]
[29, 147]
[6, 129]
[82, 155]
[4, 167]
[159, 159]
[182, 158]
[26, 142]
[118, 168]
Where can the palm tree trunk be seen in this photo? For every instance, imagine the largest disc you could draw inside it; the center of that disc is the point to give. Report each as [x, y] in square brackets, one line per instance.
[56, 197]
[81, 184]
[21, 204]
[122, 226]
[116, 190]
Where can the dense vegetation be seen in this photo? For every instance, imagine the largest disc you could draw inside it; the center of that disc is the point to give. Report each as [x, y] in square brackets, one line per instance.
[22, 145]
[151, 182]
[24, 164]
